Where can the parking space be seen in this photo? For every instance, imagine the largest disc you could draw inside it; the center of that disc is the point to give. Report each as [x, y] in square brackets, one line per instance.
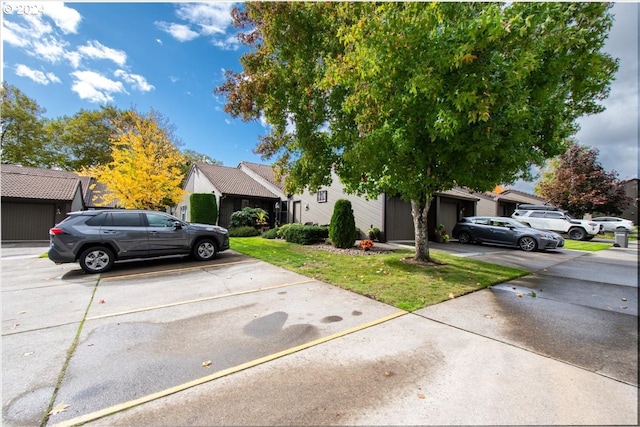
[149, 327]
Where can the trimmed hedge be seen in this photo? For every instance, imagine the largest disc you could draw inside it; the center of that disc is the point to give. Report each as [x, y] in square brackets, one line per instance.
[270, 234]
[244, 231]
[204, 208]
[304, 234]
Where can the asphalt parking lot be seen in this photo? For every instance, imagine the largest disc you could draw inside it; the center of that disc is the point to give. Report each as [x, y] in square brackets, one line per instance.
[240, 342]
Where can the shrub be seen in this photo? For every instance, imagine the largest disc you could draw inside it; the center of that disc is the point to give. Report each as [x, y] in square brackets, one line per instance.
[270, 234]
[305, 234]
[247, 217]
[244, 231]
[282, 229]
[342, 230]
[204, 208]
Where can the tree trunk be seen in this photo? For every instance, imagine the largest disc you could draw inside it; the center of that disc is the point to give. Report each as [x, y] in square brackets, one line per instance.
[419, 211]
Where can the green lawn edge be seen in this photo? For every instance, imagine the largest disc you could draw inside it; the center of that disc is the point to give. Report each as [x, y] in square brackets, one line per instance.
[382, 277]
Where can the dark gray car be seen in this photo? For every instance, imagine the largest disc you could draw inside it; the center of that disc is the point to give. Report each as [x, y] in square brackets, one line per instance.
[98, 238]
[505, 231]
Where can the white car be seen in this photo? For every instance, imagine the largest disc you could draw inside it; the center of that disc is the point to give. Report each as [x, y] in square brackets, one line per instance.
[609, 223]
[554, 219]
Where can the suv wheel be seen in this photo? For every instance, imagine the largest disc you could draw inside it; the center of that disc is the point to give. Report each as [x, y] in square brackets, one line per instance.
[527, 244]
[96, 259]
[205, 250]
[577, 233]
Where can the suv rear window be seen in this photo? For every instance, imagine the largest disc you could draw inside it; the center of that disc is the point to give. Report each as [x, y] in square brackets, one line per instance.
[97, 220]
[124, 219]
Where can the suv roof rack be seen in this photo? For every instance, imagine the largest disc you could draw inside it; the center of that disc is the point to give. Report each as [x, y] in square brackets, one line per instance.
[539, 208]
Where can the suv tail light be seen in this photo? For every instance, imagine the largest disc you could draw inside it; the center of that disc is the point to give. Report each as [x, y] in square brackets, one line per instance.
[56, 231]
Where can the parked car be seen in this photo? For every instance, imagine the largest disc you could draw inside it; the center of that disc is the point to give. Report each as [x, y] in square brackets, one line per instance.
[505, 231]
[98, 238]
[609, 223]
[554, 219]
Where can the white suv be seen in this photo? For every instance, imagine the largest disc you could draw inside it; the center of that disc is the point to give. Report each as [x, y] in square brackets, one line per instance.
[555, 219]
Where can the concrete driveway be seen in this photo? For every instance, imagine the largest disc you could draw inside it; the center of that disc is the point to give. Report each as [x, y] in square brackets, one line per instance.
[240, 342]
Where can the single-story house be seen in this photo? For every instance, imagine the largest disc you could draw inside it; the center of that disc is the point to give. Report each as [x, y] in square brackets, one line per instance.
[234, 188]
[254, 185]
[505, 202]
[35, 199]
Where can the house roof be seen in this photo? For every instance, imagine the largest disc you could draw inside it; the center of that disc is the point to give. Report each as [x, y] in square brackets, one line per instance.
[265, 171]
[233, 181]
[517, 196]
[460, 193]
[35, 183]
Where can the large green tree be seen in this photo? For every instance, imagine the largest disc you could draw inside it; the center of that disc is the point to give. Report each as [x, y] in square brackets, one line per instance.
[577, 182]
[23, 137]
[84, 139]
[414, 98]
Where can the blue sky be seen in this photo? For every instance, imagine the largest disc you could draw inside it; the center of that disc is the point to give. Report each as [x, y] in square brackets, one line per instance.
[170, 57]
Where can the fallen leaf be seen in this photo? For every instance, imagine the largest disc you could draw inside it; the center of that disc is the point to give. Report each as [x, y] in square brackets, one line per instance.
[59, 408]
[624, 307]
[16, 325]
[624, 299]
[102, 301]
[519, 294]
[388, 374]
[420, 396]
[23, 312]
[206, 364]
[488, 316]
[28, 354]
[451, 296]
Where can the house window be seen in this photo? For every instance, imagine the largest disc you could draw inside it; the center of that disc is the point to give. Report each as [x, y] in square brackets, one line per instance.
[322, 196]
[245, 203]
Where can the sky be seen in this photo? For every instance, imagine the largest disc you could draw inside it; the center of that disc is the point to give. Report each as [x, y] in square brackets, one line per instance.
[170, 57]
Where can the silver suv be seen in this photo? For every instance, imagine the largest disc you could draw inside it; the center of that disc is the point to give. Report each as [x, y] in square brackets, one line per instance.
[555, 219]
[98, 238]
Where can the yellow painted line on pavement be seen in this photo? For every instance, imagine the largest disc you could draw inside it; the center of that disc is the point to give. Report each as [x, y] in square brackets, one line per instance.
[154, 396]
[173, 304]
[173, 270]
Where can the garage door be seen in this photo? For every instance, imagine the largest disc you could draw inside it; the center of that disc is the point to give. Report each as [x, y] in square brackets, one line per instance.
[27, 221]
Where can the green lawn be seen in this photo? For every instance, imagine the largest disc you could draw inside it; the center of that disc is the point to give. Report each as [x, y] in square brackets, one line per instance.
[580, 245]
[383, 277]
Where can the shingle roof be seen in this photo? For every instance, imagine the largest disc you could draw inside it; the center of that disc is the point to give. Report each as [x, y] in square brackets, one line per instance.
[265, 171]
[34, 183]
[233, 181]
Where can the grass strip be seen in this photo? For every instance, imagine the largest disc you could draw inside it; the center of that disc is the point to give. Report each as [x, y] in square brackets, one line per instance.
[580, 245]
[383, 277]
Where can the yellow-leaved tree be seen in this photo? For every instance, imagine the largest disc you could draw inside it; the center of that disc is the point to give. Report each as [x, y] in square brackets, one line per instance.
[145, 171]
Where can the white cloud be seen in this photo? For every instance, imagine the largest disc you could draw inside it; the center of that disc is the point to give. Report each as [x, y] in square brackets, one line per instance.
[211, 18]
[36, 75]
[180, 32]
[229, 43]
[159, 42]
[95, 50]
[48, 48]
[22, 34]
[95, 87]
[65, 18]
[136, 81]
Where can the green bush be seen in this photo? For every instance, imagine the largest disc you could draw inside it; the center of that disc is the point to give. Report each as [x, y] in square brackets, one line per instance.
[244, 231]
[342, 230]
[248, 217]
[270, 234]
[204, 208]
[305, 234]
[281, 230]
